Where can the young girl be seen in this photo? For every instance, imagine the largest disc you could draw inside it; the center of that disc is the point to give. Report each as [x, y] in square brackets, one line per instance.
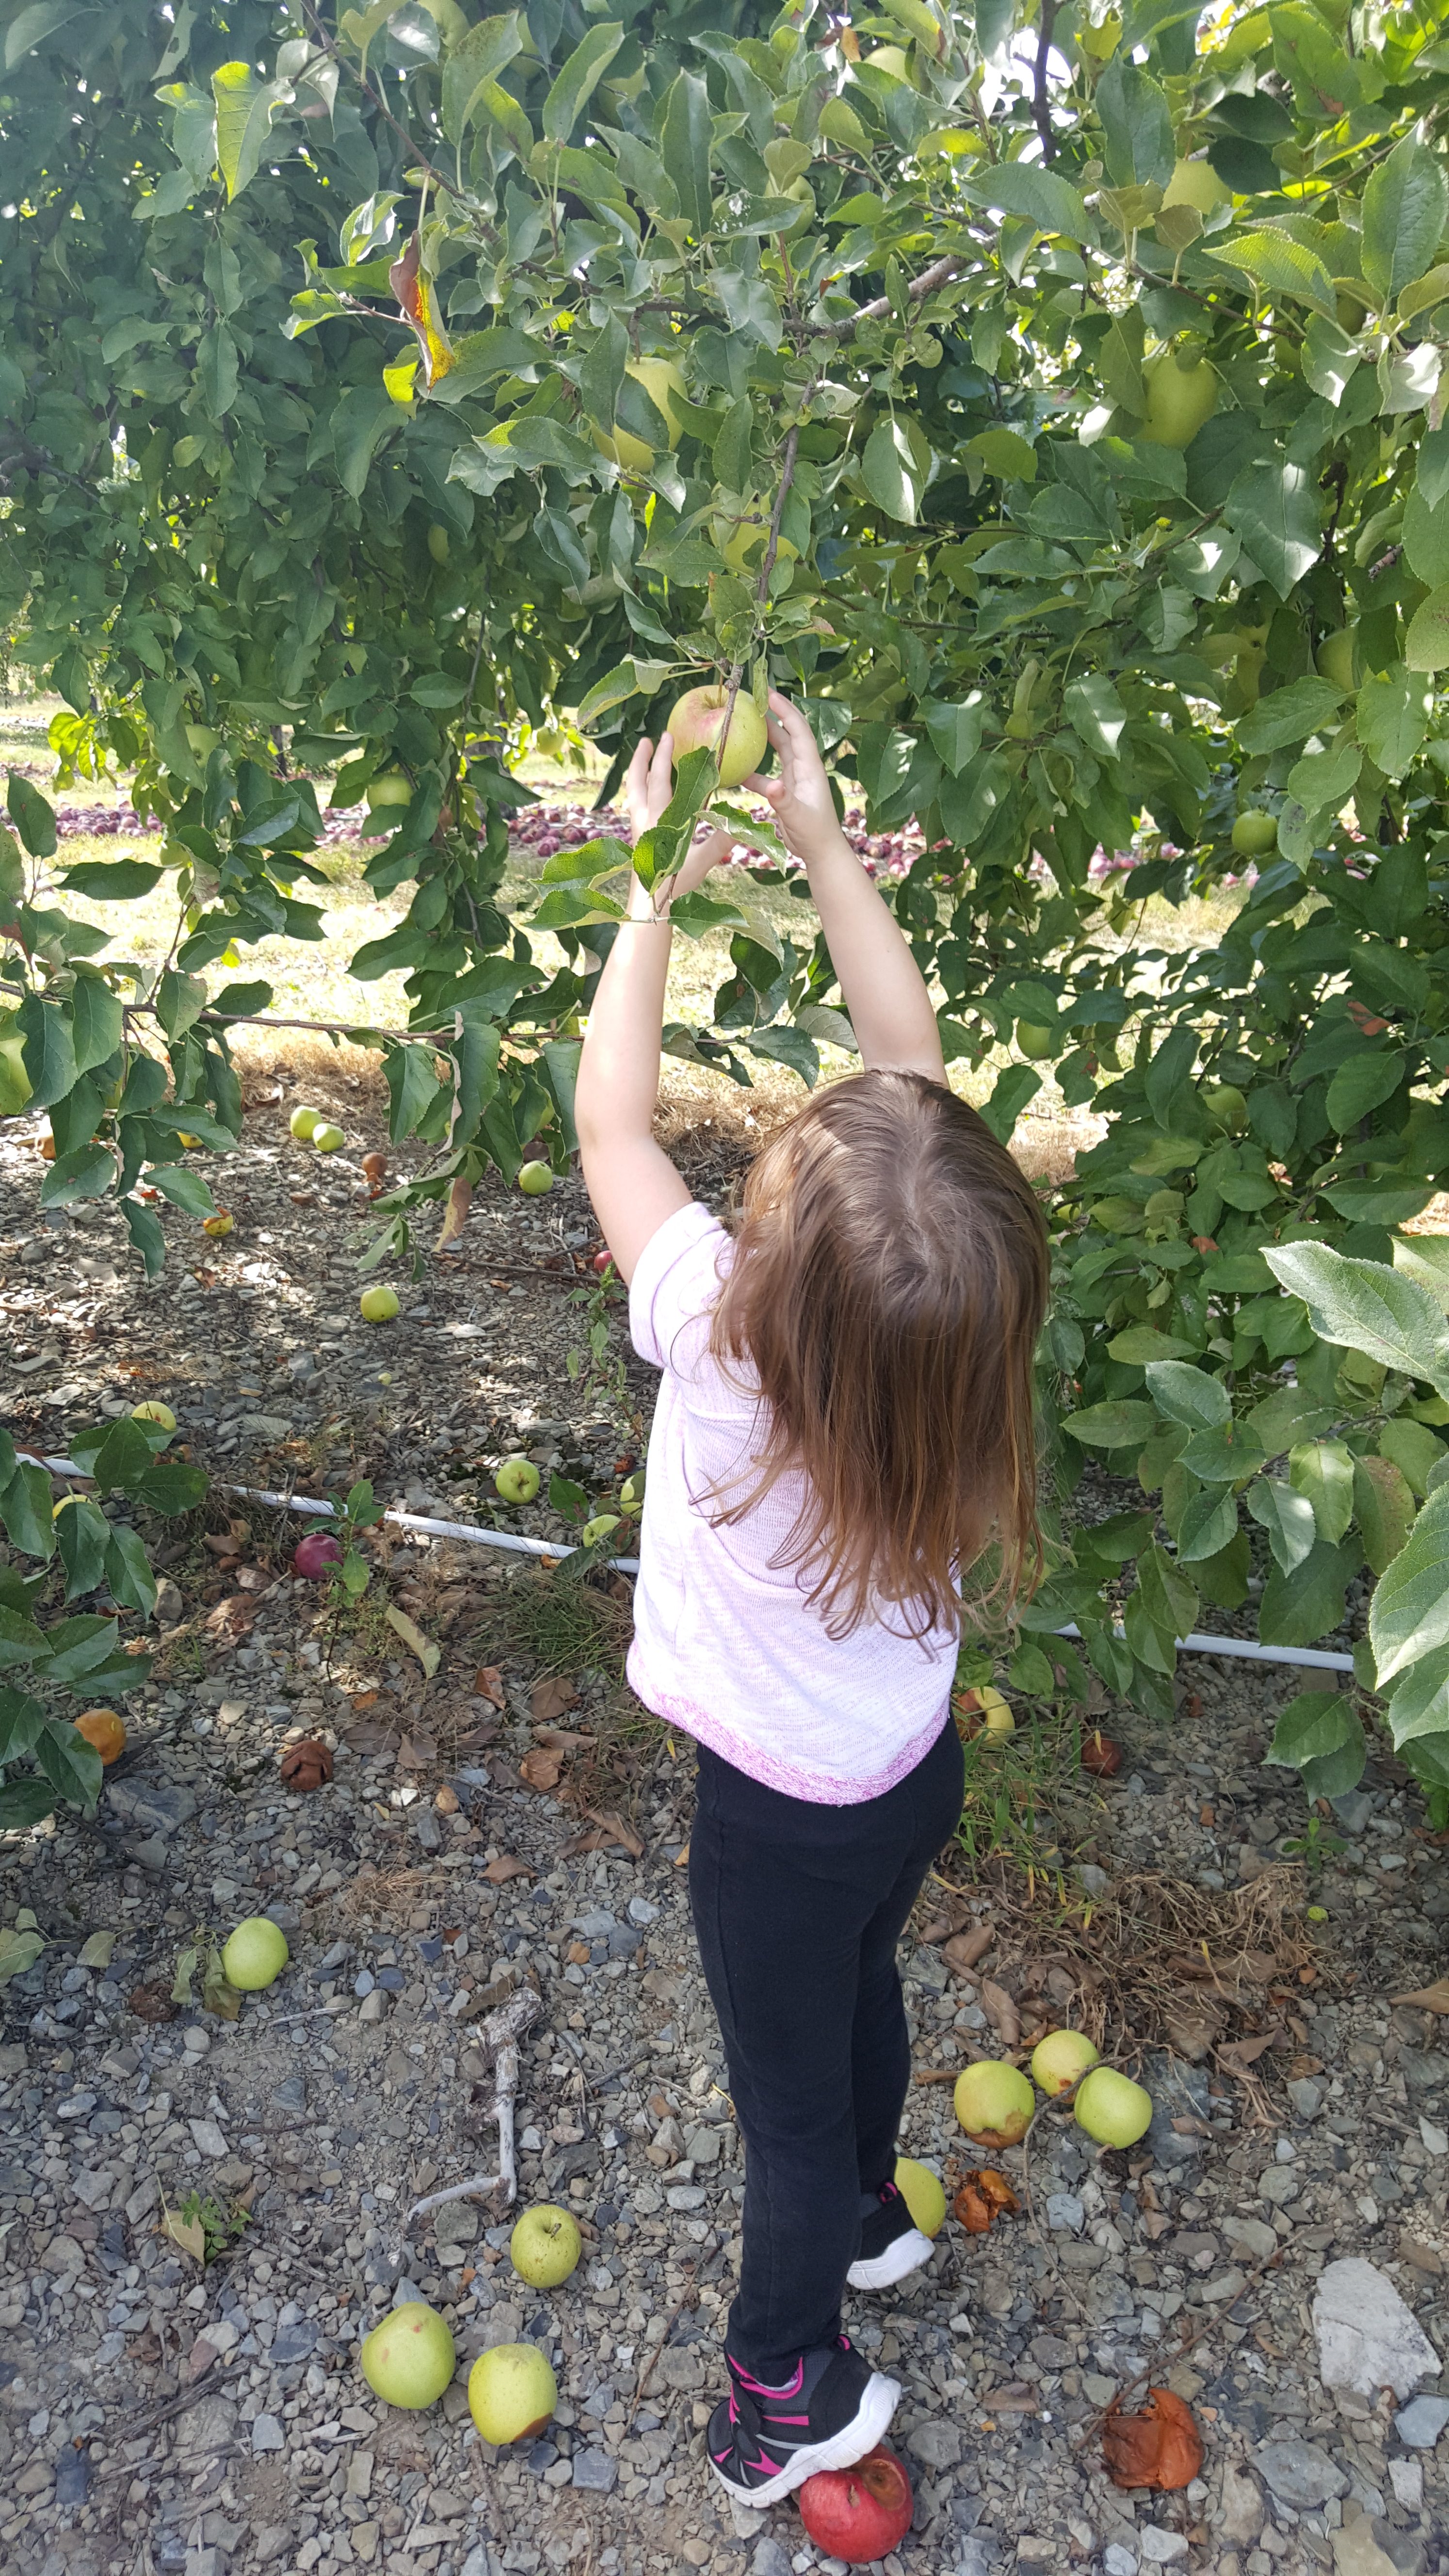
[843, 1425]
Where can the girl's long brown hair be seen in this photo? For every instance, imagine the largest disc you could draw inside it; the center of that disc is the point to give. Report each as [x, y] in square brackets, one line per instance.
[888, 1286]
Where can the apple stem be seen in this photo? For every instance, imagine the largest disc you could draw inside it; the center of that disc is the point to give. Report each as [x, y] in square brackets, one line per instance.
[500, 2035]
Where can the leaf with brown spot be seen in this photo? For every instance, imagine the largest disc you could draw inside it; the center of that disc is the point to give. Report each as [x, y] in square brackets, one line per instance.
[1161, 2447]
[460, 1200]
[551, 1696]
[500, 1871]
[1001, 2012]
[488, 1684]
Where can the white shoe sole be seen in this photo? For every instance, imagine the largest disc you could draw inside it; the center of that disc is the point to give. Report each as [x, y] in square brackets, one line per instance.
[903, 2255]
[879, 2400]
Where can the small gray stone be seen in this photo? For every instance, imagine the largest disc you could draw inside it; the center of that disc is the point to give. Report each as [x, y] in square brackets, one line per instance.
[1240, 2506]
[1064, 2210]
[1353, 1810]
[72, 2476]
[1299, 2474]
[769, 2559]
[1421, 2422]
[1117, 2561]
[641, 1911]
[1251, 2236]
[267, 2434]
[1367, 2338]
[291, 2094]
[156, 1806]
[428, 1830]
[1179, 2092]
[596, 2471]
[1094, 1881]
[1160, 2548]
[937, 2444]
[681, 2367]
[208, 2137]
[293, 2343]
[373, 2006]
[1306, 2097]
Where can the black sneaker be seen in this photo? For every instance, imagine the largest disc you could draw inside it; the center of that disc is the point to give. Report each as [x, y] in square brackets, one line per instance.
[891, 2244]
[833, 2408]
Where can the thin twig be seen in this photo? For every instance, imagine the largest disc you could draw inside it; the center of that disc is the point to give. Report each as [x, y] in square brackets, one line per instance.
[1041, 104]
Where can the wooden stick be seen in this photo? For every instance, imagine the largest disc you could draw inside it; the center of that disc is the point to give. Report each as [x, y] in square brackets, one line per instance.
[500, 2035]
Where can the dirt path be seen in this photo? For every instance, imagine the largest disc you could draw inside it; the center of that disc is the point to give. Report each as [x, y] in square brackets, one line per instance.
[156, 2417]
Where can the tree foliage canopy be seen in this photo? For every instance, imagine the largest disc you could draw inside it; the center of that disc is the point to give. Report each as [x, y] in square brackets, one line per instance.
[1051, 401]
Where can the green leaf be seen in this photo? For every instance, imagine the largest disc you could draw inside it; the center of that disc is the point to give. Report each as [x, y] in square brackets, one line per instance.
[1426, 646]
[1405, 208]
[1121, 1424]
[1414, 1450]
[1224, 1453]
[77, 1647]
[1274, 509]
[82, 1532]
[1137, 126]
[1013, 1088]
[1298, 1609]
[954, 732]
[1304, 707]
[359, 420]
[686, 130]
[1288, 1518]
[1364, 1083]
[1280, 267]
[1329, 359]
[32, 816]
[1139, 1343]
[1208, 1524]
[128, 1570]
[184, 1188]
[72, 1766]
[245, 107]
[1034, 196]
[47, 1050]
[21, 1642]
[1315, 1725]
[895, 467]
[145, 1231]
[1367, 1307]
[25, 1509]
[86, 1174]
[1095, 712]
[1393, 713]
[1190, 1395]
[180, 1001]
[477, 59]
[1419, 1700]
[24, 1803]
[112, 880]
[172, 1490]
[1384, 1508]
[580, 77]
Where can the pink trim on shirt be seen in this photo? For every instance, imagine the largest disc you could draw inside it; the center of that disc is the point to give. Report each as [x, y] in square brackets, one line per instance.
[792, 1779]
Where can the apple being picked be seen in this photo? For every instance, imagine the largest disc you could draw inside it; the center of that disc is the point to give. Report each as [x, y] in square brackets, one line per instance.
[858, 2514]
[545, 2246]
[696, 719]
[512, 2392]
[517, 1480]
[316, 1556]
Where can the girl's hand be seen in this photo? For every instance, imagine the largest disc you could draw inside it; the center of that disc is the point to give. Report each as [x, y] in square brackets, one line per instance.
[647, 791]
[800, 796]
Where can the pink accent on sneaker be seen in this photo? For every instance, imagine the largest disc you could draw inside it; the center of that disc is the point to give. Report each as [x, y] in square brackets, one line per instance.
[790, 2387]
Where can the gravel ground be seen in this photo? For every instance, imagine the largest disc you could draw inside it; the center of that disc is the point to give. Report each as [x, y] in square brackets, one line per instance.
[157, 2416]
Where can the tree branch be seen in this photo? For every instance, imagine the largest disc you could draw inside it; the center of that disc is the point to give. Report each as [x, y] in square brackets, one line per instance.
[1041, 105]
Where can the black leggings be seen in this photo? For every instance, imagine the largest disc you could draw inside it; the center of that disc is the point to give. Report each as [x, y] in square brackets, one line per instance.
[797, 1910]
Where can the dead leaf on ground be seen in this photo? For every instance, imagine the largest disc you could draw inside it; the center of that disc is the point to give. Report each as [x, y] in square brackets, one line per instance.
[551, 1696]
[541, 1769]
[233, 1618]
[984, 2196]
[152, 2003]
[1001, 2012]
[1192, 2028]
[500, 1871]
[1240, 2054]
[963, 1950]
[416, 1753]
[188, 2233]
[1161, 2447]
[681, 1858]
[96, 1952]
[488, 1684]
[559, 1739]
[1434, 1999]
[428, 1655]
[502, 1772]
[379, 1737]
[614, 1826]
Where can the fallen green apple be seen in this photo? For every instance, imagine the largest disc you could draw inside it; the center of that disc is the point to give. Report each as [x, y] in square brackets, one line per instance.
[378, 1305]
[409, 2359]
[302, 1122]
[511, 2392]
[155, 1411]
[545, 2246]
[631, 1492]
[1061, 2059]
[921, 2191]
[517, 1480]
[1111, 2108]
[535, 1180]
[254, 1955]
[599, 1527]
[994, 2103]
[327, 1138]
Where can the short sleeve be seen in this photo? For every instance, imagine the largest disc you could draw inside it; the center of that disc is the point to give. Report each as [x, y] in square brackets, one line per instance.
[677, 1280]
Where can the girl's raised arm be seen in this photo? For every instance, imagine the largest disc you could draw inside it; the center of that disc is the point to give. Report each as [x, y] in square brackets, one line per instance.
[631, 1180]
[884, 989]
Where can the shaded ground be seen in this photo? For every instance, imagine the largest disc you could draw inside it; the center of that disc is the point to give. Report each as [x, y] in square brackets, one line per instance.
[157, 2417]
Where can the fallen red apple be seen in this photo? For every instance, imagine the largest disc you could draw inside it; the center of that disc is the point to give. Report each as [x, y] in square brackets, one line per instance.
[858, 2514]
[316, 1556]
[1101, 1756]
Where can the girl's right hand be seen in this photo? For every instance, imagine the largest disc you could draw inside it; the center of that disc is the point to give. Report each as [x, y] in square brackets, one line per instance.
[800, 796]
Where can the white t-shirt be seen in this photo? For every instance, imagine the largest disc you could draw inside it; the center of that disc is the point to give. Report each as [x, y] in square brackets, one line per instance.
[726, 1645]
